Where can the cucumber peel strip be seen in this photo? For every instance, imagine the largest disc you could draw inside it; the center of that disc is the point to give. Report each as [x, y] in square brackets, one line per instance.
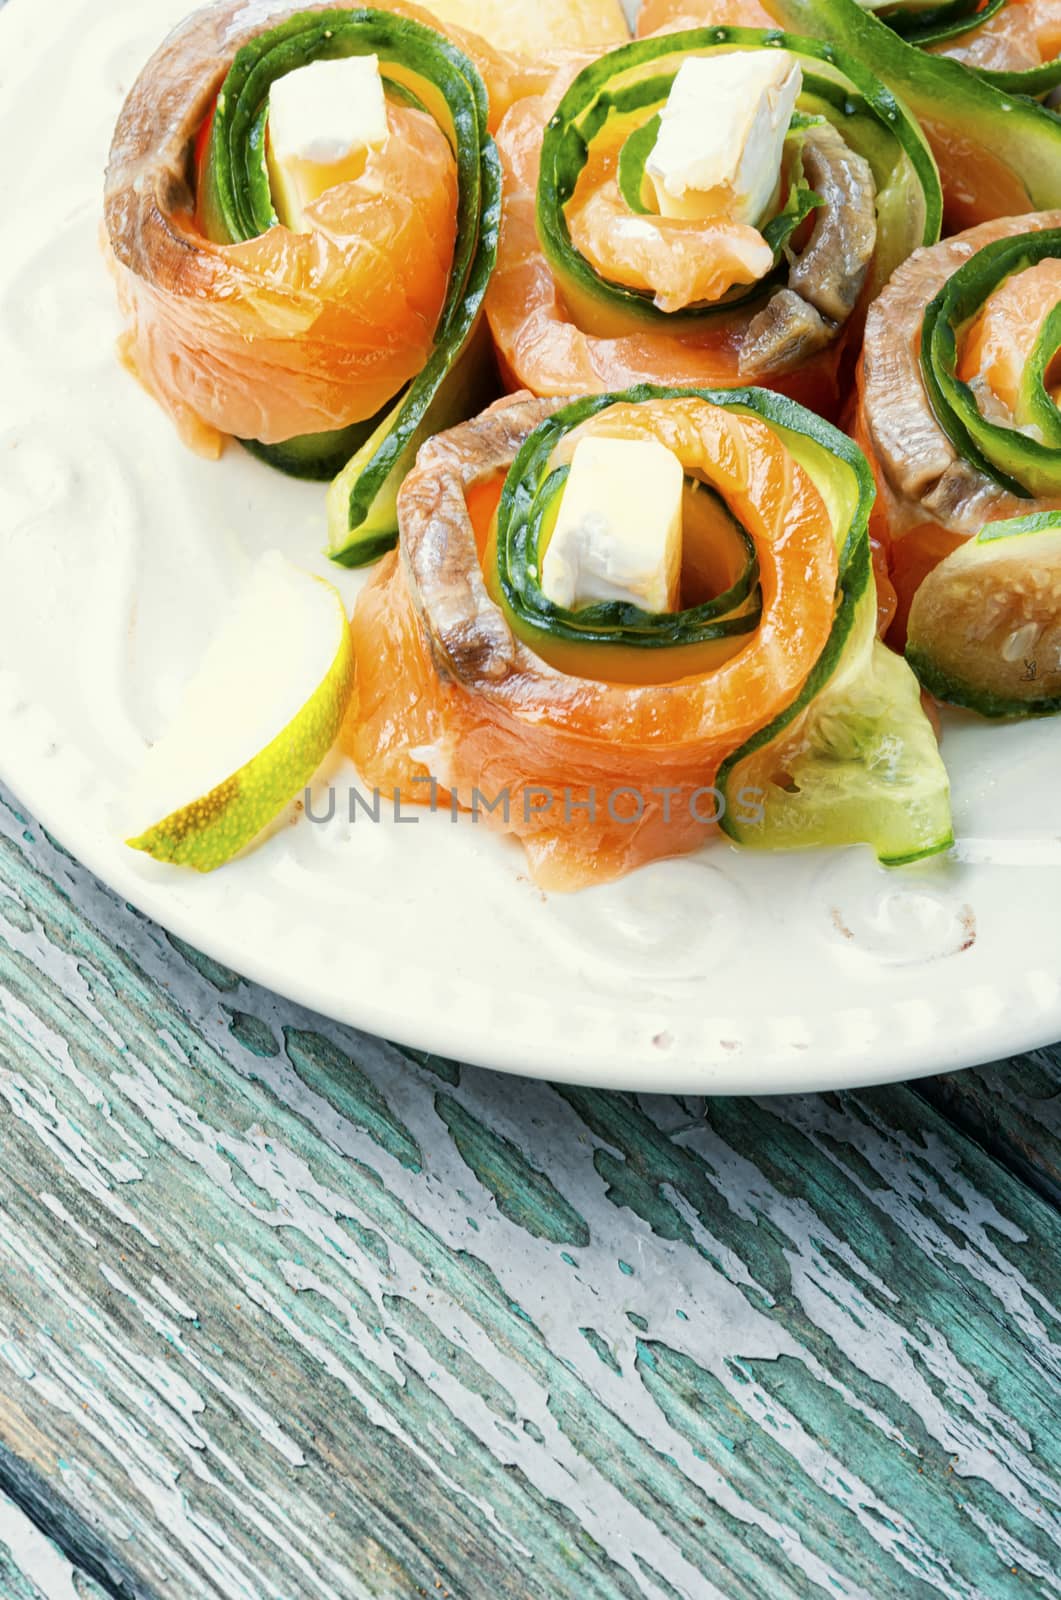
[939, 24]
[419, 66]
[469, 385]
[1036, 406]
[933, 24]
[314, 456]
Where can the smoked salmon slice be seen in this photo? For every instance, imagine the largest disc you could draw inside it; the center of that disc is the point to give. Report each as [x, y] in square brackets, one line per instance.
[299, 333]
[675, 16]
[538, 29]
[1022, 35]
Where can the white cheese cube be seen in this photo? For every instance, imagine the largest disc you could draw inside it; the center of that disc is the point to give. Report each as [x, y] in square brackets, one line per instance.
[721, 134]
[618, 533]
[323, 120]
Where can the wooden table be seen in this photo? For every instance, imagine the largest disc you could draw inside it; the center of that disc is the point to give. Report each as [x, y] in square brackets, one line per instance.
[287, 1312]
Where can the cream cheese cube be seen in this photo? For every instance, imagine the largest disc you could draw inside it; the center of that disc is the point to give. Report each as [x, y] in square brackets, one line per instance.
[721, 134]
[323, 120]
[618, 533]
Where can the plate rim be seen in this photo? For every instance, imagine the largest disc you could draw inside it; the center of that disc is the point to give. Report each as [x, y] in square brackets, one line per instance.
[728, 1069]
[446, 1037]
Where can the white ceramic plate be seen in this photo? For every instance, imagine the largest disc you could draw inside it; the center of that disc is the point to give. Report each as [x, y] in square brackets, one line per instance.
[118, 552]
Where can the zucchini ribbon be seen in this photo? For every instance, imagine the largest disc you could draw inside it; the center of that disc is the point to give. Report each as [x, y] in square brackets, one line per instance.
[959, 385]
[422, 69]
[985, 626]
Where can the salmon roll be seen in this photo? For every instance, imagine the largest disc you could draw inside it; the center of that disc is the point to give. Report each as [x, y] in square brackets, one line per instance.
[619, 624]
[715, 207]
[998, 150]
[302, 211]
[958, 391]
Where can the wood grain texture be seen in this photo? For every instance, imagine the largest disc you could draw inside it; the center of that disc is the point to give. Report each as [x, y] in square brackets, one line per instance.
[288, 1312]
[32, 1567]
[1013, 1110]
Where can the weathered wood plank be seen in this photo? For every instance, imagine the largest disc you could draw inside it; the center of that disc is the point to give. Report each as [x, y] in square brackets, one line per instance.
[31, 1565]
[1014, 1110]
[287, 1312]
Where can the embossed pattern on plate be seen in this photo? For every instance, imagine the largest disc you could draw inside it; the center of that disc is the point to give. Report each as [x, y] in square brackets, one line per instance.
[118, 551]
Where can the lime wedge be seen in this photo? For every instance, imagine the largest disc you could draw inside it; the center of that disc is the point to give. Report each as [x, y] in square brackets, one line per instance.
[255, 722]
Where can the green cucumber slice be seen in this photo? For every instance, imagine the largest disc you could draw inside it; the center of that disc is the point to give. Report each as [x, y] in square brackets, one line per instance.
[924, 28]
[924, 23]
[1036, 406]
[930, 25]
[985, 625]
[315, 456]
[632, 158]
[859, 763]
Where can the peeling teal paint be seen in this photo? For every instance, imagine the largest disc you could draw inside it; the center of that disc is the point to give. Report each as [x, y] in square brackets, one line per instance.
[353, 1095]
[457, 1362]
[252, 1033]
[221, 977]
[600, 1346]
[350, 1355]
[14, 913]
[441, 1066]
[523, 1193]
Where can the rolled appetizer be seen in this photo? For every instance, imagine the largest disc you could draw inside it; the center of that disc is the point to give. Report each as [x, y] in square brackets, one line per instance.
[713, 207]
[616, 624]
[998, 151]
[1014, 44]
[302, 208]
[958, 391]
